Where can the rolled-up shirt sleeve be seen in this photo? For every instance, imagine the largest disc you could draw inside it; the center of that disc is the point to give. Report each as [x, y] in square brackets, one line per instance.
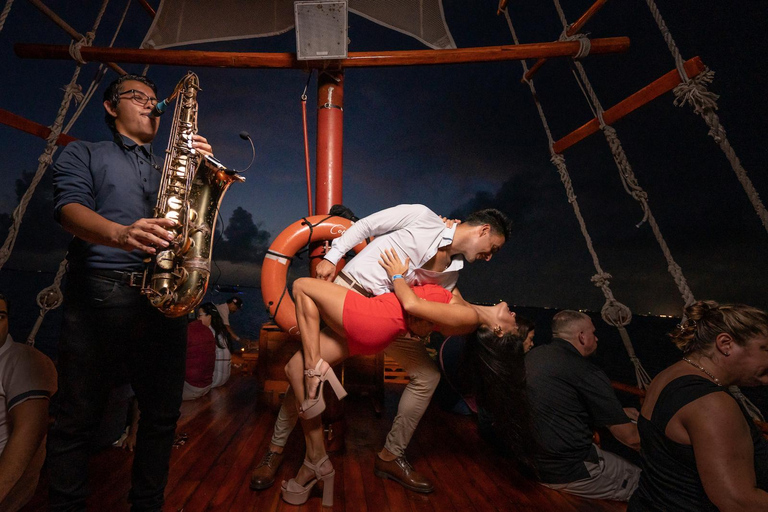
[72, 179]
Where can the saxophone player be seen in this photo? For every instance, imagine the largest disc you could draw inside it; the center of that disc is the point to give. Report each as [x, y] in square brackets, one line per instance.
[104, 194]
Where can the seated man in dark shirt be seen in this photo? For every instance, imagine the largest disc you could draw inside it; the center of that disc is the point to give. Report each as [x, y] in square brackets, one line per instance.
[568, 396]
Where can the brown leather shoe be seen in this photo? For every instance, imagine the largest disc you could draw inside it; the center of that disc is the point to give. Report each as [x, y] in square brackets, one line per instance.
[264, 475]
[401, 471]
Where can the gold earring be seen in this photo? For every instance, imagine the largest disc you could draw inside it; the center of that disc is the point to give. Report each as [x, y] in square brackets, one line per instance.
[497, 330]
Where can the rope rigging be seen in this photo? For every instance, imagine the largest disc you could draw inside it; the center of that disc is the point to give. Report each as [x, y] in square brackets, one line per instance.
[5, 13]
[628, 178]
[51, 297]
[690, 91]
[704, 103]
[613, 312]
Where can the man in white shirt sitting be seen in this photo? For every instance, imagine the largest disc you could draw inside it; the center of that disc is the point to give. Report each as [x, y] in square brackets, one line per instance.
[27, 381]
[437, 253]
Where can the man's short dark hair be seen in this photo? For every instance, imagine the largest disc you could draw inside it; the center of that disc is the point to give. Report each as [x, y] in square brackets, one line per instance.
[500, 223]
[112, 94]
[563, 320]
[237, 301]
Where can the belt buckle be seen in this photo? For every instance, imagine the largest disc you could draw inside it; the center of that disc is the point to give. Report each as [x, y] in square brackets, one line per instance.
[132, 280]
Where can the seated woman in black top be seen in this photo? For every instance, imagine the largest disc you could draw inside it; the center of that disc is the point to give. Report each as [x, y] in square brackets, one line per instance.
[700, 449]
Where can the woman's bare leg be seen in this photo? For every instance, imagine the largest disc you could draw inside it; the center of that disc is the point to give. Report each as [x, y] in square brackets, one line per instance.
[333, 349]
[316, 299]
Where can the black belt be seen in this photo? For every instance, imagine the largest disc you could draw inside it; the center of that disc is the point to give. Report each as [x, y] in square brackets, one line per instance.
[354, 285]
[133, 279]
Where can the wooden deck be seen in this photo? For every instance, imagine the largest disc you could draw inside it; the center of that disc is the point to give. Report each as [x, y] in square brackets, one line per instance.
[228, 431]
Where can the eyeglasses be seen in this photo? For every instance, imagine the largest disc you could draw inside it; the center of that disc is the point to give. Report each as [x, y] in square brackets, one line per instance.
[140, 98]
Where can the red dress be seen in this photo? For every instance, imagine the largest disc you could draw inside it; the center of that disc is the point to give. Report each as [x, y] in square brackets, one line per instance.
[372, 323]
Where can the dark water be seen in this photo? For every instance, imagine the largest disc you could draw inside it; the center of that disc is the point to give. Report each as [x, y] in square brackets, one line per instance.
[648, 333]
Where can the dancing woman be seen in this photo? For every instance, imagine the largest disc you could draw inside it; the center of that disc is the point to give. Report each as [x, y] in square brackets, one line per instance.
[365, 325]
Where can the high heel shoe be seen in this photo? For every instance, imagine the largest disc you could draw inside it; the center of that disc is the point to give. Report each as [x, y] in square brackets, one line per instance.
[297, 494]
[312, 407]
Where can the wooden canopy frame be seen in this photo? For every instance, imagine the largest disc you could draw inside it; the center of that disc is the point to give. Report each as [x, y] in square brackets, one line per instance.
[355, 59]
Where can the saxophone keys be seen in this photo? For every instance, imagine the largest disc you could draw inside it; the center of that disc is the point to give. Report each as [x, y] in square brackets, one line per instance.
[174, 203]
[165, 260]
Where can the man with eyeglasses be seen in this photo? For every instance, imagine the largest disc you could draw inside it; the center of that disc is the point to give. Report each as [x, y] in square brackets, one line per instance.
[104, 194]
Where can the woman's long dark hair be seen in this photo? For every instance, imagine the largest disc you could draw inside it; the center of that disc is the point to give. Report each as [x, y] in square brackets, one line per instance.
[496, 365]
[216, 322]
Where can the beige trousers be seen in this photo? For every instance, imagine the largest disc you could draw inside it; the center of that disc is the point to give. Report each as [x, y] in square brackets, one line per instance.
[411, 355]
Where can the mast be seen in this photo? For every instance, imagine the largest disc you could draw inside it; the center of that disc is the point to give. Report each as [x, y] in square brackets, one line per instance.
[330, 124]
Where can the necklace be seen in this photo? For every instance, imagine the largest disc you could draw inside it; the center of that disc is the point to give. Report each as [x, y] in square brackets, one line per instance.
[717, 381]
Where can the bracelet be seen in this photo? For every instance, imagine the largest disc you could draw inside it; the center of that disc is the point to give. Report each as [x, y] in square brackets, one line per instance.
[397, 276]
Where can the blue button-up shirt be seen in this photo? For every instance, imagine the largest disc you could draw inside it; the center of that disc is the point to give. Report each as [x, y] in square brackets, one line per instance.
[115, 179]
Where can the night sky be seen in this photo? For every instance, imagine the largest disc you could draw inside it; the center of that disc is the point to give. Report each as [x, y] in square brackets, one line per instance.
[462, 137]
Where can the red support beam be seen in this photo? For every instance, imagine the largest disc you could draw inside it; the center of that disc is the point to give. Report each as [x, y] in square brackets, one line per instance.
[645, 95]
[355, 59]
[25, 125]
[147, 8]
[574, 28]
[330, 126]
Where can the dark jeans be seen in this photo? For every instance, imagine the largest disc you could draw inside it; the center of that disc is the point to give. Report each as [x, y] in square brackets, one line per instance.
[109, 328]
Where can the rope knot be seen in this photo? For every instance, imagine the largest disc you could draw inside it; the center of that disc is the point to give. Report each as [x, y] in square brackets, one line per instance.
[694, 92]
[615, 313]
[557, 159]
[610, 131]
[49, 298]
[640, 195]
[585, 45]
[74, 50]
[45, 159]
[601, 279]
[75, 91]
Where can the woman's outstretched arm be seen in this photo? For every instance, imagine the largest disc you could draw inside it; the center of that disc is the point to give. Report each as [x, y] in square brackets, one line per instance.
[452, 315]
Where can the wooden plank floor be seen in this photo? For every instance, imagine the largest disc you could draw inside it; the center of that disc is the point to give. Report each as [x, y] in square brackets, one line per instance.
[228, 431]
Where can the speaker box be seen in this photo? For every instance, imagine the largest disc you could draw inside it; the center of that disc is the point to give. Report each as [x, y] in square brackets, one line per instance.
[321, 30]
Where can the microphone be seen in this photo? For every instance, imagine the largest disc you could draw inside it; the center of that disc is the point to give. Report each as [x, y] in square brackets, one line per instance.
[159, 109]
[246, 136]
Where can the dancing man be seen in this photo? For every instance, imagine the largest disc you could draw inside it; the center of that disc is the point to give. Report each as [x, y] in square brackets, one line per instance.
[437, 254]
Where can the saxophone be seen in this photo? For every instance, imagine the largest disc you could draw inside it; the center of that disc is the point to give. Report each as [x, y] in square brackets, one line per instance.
[191, 190]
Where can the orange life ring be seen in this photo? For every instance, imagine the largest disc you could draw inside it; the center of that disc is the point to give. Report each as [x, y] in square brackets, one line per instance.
[274, 270]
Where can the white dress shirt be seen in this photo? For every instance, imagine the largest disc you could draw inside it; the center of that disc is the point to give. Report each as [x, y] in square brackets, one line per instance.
[413, 231]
